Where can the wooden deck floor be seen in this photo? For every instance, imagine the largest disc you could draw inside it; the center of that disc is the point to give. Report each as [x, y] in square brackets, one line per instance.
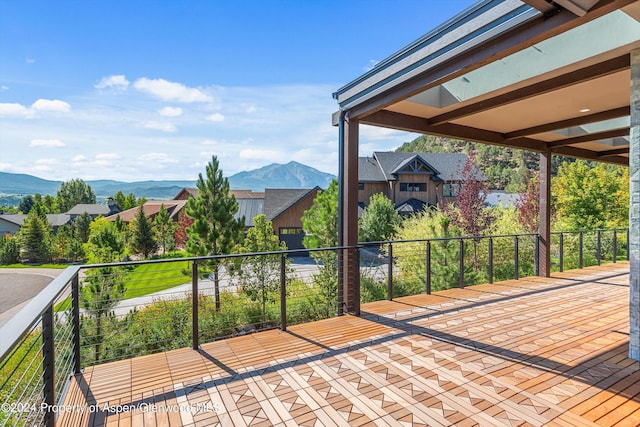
[529, 352]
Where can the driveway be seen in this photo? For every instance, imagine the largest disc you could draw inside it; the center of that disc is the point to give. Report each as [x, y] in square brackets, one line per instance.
[19, 285]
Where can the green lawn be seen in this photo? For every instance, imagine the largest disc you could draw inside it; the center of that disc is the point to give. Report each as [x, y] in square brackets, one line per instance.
[149, 278]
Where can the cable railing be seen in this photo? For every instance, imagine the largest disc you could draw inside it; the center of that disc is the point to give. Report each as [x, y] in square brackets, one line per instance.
[100, 313]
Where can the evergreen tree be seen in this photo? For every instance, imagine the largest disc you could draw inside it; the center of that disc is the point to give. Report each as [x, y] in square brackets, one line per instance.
[215, 230]
[82, 225]
[125, 202]
[164, 228]
[35, 237]
[320, 224]
[26, 204]
[142, 236]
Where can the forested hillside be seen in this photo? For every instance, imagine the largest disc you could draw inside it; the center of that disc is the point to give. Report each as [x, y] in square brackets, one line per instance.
[507, 169]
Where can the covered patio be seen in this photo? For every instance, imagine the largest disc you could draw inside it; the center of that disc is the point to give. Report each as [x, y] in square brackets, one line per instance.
[556, 77]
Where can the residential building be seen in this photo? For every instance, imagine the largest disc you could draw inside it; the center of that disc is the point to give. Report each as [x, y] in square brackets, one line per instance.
[94, 210]
[412, 181]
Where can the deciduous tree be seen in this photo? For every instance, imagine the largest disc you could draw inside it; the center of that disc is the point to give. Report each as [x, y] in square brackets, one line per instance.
[379, 220]
[72, 193]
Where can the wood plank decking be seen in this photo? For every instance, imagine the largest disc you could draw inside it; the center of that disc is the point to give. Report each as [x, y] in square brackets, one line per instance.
[530, 352]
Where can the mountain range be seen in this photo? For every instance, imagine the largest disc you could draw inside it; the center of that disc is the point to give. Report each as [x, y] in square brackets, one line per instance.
[290, 175]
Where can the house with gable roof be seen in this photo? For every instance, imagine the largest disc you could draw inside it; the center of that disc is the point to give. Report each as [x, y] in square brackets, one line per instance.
[284, 208]
[412, 181]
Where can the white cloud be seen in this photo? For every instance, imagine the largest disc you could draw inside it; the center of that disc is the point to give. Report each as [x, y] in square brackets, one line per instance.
[162, 126]
[170, 111]
[266, 155]
[158, 158]
[29, 60]
[16, 110]
[251, 109]
[79, 158]
[118, 82]
[53, 105]
[215, 117]
[46, 143]
[171, 91]
[3, 88]
[108, 156]
[47, 161]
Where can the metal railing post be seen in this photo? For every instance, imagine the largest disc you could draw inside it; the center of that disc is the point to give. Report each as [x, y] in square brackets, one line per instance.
[75, 319]
[428, 267]
[516, 258]
[490, 272]
[283, 292]
[628, 257]
[356, 278]
[461, 263]
[561, 252]
[341, 284]
[48, 366]
[581, 254]
[390, 274]
[615, 246]
[536, 256]
[195, 336]
[599, 247]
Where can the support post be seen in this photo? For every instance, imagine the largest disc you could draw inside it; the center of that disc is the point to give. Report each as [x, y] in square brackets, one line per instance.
[634, 209]
[544, 227]
[490, 273]
[428, 266]
[390, 273]
[348, 217]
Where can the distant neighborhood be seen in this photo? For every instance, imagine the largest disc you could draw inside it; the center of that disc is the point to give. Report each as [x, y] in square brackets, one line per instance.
[412, 181]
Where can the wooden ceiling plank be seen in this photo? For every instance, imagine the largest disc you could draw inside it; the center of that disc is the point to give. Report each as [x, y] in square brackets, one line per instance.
[591, 137]
[549, 85]
[574, 121]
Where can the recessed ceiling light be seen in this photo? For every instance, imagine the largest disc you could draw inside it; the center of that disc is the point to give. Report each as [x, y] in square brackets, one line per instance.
[585, 110]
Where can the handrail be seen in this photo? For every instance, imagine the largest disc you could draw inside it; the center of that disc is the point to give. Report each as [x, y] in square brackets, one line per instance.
[39, 312]
[20, 324]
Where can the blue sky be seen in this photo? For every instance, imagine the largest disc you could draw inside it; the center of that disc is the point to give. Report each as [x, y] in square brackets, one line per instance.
[136, 90]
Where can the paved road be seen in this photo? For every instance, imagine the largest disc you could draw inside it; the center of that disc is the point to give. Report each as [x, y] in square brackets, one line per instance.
[19, 285]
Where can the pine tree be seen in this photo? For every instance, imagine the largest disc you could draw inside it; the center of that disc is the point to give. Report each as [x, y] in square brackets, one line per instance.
[215, 230]
[35, 237]
[142, 238]
[164, 228]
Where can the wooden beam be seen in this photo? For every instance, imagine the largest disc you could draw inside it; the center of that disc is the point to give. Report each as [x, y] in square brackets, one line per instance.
[615, 152]
[410, 123]
[591, 137]
[549, 85]
[574, 121]
[581, 153]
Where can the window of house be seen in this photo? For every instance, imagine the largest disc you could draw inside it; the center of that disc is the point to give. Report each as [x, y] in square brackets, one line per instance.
[361, 186]
[291, 230]
[413, 186]
[450, 190]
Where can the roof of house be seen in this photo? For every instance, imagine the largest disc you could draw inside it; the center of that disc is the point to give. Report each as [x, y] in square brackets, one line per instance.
[495, 198]
[385, 165]
[249, 208]
[91, 209]
[151, 208]
[54, 220]
[410, 206]
[238, 194]
[277, 201]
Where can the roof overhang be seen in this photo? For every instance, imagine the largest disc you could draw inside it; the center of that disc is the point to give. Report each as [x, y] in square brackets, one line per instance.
[534, 75]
